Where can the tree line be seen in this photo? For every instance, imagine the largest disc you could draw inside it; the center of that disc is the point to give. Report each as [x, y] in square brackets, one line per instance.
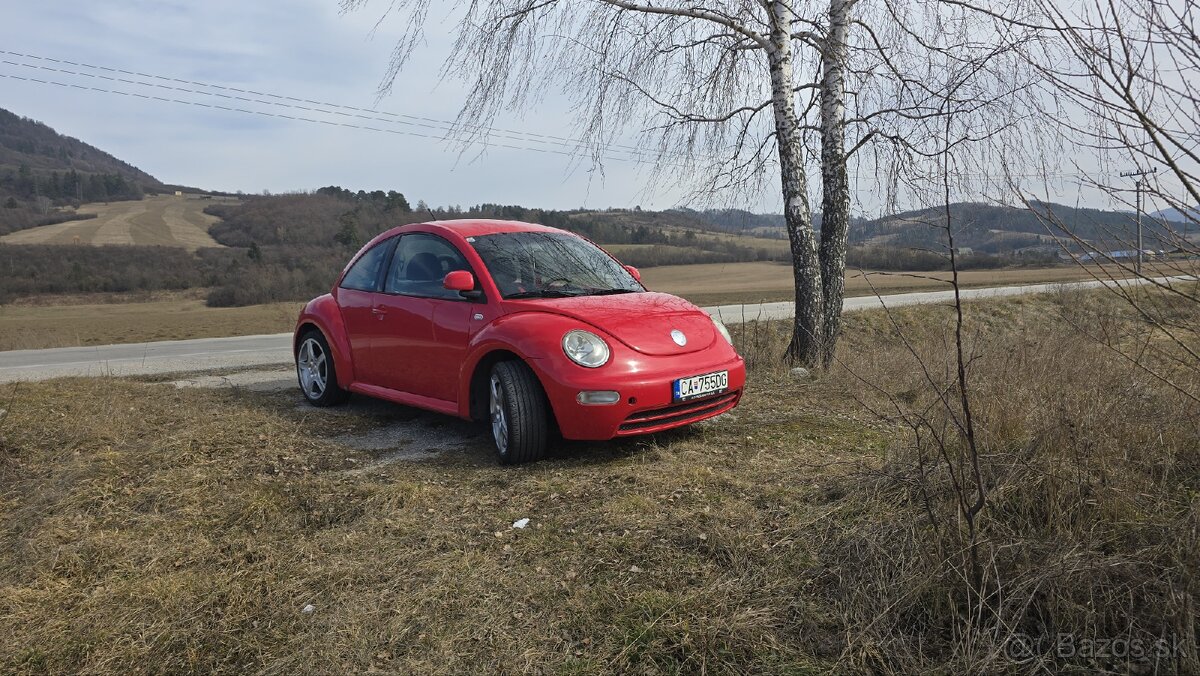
[68, 187]
[292, 247]
[297, 244]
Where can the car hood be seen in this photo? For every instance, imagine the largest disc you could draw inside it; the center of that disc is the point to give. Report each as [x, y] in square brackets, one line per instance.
[642, 321]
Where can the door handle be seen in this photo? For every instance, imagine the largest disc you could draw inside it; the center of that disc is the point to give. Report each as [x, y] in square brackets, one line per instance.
[379, 313]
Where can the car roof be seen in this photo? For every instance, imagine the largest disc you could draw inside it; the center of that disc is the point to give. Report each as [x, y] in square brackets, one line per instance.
[475, 227]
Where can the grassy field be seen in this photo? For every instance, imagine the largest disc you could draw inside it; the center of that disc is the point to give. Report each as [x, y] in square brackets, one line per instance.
[162, 316]
[77, 320]
[149, 529]
[166, 220]
[757, 282]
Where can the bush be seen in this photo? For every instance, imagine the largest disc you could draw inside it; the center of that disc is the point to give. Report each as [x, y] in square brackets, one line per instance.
[898, 258]
[30, 269]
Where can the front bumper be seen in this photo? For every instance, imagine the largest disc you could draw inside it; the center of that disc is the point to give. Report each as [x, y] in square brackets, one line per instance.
[644, 383]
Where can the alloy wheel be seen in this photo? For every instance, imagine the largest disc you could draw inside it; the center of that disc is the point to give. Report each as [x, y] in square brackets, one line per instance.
[312, 364]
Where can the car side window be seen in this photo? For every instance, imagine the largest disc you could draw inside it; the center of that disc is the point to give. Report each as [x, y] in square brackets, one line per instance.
[420, 264]
[364, 274]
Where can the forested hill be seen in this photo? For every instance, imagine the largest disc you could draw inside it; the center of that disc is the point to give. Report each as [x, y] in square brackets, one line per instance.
[36, 161]
[997, 228]
[988, 228]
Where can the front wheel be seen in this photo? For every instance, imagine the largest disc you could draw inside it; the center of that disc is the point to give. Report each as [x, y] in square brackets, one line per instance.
[518, 413]
[316, 373]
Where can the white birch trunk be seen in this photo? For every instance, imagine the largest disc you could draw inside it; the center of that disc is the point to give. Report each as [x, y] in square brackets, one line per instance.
[835, 188]
[808, 330]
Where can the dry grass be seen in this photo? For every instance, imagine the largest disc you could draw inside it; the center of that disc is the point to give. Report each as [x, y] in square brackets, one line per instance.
[147, 529]
[165, 220]
[1092, 467]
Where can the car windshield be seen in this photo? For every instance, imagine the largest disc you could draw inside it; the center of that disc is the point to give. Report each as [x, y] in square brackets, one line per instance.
[551, 265]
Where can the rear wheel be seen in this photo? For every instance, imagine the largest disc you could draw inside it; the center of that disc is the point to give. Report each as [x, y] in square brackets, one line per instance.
[316, 372]
[517, 408]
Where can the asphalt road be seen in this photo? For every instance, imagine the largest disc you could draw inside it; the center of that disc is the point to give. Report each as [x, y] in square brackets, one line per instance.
[211, 354]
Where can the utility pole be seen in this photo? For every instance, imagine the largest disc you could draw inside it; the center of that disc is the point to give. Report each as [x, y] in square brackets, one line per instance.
[1139, 173]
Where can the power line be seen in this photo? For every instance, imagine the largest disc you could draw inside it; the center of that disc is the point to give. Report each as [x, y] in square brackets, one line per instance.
[333, 123]
[636, 155]
[398, 118]
[276, 115]
[398, 132]
[264, 102]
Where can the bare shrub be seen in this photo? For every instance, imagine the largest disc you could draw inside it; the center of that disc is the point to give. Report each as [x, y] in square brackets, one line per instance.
[1091, 467]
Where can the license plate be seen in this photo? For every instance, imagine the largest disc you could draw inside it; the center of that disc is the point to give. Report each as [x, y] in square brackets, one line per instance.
[700, 386]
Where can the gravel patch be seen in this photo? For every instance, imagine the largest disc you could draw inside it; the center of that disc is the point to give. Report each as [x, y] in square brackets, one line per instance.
[273, 380]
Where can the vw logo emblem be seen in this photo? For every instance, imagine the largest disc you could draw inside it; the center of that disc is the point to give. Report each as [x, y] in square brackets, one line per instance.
[678, 337]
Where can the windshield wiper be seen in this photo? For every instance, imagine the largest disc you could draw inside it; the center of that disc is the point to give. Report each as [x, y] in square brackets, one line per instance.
[542, 293]
[610, 292]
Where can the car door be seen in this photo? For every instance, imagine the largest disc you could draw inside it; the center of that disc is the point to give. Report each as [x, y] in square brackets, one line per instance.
[426, 327]
[356, 298]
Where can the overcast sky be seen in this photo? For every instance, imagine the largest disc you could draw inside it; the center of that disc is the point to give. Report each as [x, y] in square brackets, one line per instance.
[299, 48]
[304, 49]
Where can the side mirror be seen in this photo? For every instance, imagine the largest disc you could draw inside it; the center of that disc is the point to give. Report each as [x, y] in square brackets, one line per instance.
[463, 282]
[634, 271]
[459, 280]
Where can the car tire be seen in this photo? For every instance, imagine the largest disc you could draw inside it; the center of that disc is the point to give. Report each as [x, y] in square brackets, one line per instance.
[517, 412]
[316, 372]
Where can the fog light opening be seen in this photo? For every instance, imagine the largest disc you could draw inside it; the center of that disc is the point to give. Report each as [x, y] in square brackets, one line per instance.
[598, 397]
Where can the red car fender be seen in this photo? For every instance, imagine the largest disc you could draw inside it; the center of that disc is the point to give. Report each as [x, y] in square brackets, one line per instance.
[322, 312]
[531, 336]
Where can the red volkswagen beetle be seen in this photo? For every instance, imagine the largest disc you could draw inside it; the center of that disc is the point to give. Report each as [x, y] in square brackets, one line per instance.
[521, 325]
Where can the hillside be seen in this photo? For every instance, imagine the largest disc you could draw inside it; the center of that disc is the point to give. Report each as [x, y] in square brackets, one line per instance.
[741, 222]
[44, 150]
[996, 229]
[41, 169]
[987, 228]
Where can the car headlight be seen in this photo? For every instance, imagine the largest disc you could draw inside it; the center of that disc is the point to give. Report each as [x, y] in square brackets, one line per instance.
[721, 329]
[586, 348]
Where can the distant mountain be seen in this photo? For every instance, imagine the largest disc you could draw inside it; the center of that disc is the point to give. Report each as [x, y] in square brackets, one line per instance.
[984, 227]
[994, 228]
[987, 228]
[1188, 215]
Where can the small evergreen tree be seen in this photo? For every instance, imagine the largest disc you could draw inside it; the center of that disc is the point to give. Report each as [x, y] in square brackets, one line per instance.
[348, 235]
[396, 200]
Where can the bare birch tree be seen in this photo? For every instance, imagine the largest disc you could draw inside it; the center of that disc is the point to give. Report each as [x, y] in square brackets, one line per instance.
[731, 93]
